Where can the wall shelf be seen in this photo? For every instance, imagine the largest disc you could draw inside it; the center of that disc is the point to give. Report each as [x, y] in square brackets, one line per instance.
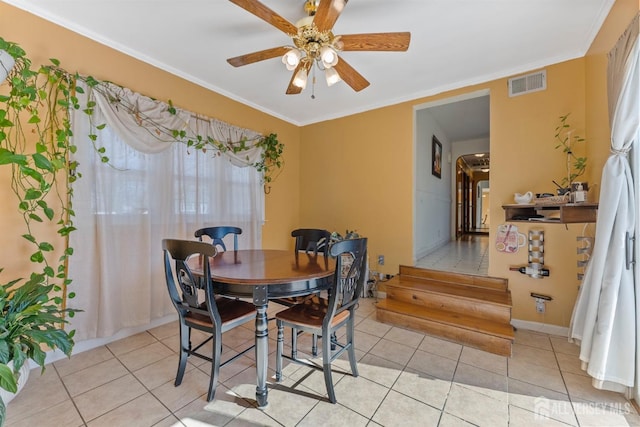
[561, 213]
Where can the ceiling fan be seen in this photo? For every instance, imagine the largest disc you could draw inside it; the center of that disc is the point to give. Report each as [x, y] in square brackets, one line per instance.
[314, 43]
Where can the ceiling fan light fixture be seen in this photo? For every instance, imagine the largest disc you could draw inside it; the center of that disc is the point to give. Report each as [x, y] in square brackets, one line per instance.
[328, 56]
[332, 76]
[300, 79]
[291, 59]
[315, 45]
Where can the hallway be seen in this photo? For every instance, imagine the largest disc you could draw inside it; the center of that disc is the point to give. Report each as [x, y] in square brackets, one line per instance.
[469, 254]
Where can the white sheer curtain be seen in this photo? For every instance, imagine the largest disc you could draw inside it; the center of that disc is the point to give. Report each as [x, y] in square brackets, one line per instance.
[124, 209]
[604, 319]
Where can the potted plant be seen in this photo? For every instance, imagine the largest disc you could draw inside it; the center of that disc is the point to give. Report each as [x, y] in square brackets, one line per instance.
[566, 140]
[30, 322]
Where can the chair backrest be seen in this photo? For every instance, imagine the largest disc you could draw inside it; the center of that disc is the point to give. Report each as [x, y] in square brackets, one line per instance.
[216, 234]
[188, 292]
[311, 240]
[348, 280]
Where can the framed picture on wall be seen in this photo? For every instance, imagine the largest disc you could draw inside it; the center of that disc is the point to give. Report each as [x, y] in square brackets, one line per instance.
[436, 157]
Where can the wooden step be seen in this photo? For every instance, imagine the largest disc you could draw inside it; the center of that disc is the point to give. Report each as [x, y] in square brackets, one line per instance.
[472, 310]
[458, 278]
[487, 335]
[459, 298]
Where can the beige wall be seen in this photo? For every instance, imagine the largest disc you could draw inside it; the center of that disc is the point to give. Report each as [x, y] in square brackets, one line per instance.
[357, 172]
[370, 159]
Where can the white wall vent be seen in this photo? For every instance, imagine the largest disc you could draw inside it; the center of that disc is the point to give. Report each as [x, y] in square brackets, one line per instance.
[528, 83]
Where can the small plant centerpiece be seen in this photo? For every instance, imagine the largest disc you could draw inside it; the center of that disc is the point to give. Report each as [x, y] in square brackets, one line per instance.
[566, 140]
[349, 234]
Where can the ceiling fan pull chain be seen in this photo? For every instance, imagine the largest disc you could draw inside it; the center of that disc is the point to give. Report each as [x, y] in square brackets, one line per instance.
[313, 83]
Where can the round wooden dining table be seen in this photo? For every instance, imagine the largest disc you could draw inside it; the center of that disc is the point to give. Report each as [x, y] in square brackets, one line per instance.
[264, 274]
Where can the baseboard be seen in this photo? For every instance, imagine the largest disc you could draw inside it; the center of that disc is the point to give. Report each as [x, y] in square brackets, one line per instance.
[426, 251]
[541, 327]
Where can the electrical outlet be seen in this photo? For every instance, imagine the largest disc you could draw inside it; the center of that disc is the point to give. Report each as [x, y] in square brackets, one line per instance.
[380, 259]
[540, 305]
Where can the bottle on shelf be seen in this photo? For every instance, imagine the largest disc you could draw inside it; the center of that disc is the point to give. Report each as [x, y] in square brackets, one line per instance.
[579, 195]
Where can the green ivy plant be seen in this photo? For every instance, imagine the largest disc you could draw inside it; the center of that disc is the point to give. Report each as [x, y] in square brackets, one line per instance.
[270, 159]
[565, 140]
[271, 149]
[35, 136]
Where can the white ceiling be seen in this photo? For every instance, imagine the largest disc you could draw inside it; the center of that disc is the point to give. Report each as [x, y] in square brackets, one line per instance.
[454, 43]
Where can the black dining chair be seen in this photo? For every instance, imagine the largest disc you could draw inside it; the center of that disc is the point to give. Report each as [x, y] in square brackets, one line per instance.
[309, 241]
[216, 234]
[324, 316]
[312, 241]
[199, 308]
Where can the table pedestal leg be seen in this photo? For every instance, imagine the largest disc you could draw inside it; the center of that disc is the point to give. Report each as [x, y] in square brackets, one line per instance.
[262, 354]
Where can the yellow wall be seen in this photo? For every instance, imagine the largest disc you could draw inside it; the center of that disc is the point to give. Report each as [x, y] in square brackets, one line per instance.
[370, 187]
[357, 172]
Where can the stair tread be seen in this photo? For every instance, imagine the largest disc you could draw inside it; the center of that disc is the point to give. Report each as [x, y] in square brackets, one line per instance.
[491, 296]
[485, 282]
[503, 330]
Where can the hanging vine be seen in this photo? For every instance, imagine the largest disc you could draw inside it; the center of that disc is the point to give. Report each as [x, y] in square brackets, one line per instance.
[271, 150]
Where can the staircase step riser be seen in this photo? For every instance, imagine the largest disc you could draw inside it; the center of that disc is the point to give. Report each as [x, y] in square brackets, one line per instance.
[482, 341]
[448, 277]
[461, 289]
[460, 320]
[476, 308]
[488, 296]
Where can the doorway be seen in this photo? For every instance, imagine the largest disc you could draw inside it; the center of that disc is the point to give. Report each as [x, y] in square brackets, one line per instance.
[455, 203]
[472, 194]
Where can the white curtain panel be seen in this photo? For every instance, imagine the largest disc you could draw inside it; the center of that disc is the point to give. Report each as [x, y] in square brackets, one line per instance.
[604, 316]
[125, 208]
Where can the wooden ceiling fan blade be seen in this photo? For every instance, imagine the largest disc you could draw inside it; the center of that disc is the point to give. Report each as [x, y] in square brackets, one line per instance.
[398, 42]
[350, 76]
[267, 15]
[328, 13]
[261, 55]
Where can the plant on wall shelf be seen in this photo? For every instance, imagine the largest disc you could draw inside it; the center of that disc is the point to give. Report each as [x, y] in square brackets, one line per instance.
[566, 140]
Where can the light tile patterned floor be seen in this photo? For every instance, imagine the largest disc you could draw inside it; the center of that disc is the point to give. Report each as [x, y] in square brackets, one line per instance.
[406, 378]
[469, 254]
